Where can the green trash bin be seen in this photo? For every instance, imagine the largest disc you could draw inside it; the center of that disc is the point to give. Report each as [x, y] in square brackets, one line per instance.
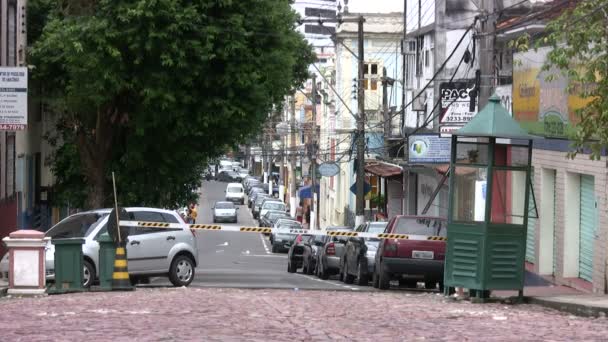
[68, 265]
[107, 252]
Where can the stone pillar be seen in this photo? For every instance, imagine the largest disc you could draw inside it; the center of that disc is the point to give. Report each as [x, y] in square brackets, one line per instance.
[26, 250]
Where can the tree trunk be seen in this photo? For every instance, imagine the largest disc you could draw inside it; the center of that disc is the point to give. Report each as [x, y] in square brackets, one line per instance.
[96, 196]
[95, 150]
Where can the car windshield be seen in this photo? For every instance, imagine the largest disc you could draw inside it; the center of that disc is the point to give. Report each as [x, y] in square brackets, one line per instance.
[234, 189]
[224, 205]
[377, 227]
[274, 206]
[420, 226]
[307, 238]
[76, 226]
[274, 215]
[288, 224]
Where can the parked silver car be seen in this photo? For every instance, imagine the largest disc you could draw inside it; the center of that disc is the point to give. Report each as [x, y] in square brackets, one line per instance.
[150, 251]
[329, 256]
[359, 259]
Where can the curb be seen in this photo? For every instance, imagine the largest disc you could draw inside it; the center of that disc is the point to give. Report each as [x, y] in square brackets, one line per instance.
[572, 308]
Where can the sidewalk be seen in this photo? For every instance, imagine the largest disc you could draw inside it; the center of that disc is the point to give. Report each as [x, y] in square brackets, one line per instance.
[539, 291]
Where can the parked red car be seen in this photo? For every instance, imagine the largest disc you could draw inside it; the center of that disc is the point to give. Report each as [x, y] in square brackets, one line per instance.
[420, 257]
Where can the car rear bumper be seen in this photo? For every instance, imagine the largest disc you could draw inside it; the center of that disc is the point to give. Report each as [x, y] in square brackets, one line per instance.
[429, 268]
[332, 263]
[225, 218]
[235, 199]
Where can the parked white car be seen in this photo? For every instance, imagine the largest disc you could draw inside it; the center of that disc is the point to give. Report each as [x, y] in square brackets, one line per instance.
[235, 193]
[150, 251]
[224, 211]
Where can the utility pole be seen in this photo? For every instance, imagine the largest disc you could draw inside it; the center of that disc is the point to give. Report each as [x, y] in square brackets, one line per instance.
[265, 154]
[292, 176]
[360, 183]
[486, 54]
[385, 116]
[313, 159]
[404, 47]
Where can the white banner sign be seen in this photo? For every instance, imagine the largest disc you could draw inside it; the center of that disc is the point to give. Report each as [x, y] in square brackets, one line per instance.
[13, 99]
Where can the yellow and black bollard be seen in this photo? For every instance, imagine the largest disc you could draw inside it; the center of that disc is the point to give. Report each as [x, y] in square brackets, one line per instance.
[120, 276]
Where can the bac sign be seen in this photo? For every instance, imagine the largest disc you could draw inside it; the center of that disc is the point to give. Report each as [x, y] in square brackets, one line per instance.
[13, 99]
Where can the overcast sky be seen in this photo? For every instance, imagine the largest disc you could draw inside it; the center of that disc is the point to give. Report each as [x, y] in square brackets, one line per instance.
[368, 6]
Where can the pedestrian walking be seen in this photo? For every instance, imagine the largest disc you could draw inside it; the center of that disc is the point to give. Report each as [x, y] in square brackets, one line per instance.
[192, 213]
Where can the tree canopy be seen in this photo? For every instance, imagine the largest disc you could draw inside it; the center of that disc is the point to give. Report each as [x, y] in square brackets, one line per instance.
[152, 89]
[579, 41]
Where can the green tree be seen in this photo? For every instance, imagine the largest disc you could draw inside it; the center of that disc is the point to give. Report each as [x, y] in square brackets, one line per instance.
[152, 89]
[579, 41]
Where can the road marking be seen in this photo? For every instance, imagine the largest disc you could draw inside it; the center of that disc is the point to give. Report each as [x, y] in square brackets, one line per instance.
[219, 251]
[264, 244]
[267, 255]
[223, 244]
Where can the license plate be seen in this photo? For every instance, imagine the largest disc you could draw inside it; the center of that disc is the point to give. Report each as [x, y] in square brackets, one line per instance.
[423, 255]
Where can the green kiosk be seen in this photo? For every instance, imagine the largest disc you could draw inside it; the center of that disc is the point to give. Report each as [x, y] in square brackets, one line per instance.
[488, 207]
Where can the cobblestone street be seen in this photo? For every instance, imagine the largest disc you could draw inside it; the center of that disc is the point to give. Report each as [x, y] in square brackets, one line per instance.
[191, 314]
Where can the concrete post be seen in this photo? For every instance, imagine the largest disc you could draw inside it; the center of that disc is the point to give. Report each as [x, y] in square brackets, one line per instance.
[27, 274]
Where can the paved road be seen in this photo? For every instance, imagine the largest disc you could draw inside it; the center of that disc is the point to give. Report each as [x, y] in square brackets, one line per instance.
[204, 314]
[244, 260]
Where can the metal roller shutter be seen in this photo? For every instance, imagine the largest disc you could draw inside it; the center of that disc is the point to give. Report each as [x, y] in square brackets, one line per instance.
[531, 231]
[588, 224]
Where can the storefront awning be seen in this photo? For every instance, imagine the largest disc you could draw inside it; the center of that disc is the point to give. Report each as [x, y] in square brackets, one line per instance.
[444, 168]
[382, 169]
[306, 191]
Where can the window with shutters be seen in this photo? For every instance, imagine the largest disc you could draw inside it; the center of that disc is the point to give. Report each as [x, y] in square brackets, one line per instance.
[370, 76]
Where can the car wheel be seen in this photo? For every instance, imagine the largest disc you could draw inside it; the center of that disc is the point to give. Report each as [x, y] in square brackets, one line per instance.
[310, 269]
[362, 278]
[274, 249]
[383, 279]
[214, 220]
[348, 278]
[181, 272]
[375, 280]
[88, 275]
[441, 287]
[290, 267]
[322, 273]
[430, 285]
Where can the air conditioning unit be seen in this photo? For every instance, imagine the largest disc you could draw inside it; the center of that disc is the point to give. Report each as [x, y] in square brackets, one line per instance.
[419, 103]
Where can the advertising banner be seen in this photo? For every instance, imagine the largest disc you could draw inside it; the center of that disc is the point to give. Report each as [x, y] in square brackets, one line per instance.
[455, 105]
[429, 149]
[13, 99]
[544, 102]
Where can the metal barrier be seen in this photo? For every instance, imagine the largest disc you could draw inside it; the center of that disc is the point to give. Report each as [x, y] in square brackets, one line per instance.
[266, 230]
